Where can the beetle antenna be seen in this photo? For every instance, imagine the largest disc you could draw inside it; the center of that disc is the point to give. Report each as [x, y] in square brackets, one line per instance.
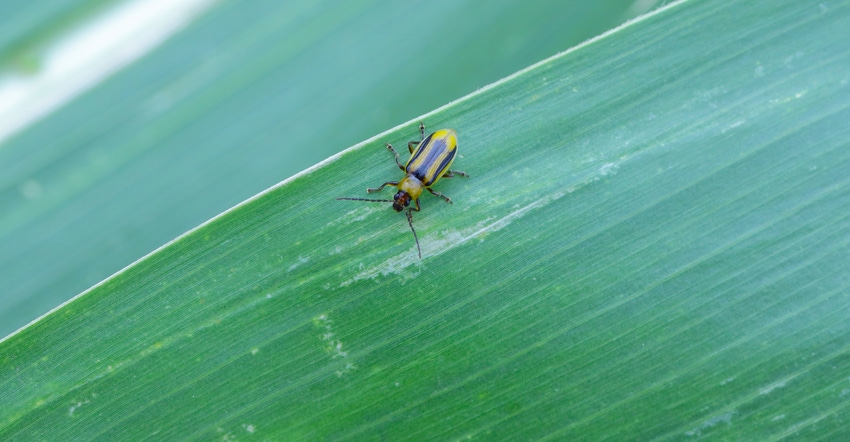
[365, 199]
[415, 238]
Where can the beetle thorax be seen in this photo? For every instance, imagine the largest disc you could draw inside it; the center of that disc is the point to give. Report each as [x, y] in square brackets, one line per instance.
[411, 185]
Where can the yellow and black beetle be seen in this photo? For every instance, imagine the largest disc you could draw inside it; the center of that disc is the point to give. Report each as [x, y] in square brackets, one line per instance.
[429, 162]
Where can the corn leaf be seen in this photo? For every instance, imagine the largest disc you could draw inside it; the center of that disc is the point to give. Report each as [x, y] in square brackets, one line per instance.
[652, 244]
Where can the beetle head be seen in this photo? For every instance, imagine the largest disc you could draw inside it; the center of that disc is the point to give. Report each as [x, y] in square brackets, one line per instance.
[401, 200]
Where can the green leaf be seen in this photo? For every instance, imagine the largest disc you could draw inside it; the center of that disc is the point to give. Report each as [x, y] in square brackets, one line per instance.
[652, 245]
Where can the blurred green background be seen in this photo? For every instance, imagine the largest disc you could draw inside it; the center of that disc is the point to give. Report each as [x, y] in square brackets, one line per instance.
[247, 95]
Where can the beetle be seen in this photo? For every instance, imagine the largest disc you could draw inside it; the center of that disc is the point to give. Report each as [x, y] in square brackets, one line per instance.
[429, 161]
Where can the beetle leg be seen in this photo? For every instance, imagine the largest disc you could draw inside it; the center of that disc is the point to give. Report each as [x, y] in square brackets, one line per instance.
[448, 200]
[411, 144]
[381, 187]
[397, 161]
[451, 173]
[417, 206]
[421, 137]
